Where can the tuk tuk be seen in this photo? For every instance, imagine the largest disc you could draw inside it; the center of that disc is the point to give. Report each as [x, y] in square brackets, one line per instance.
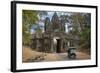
[72, 53]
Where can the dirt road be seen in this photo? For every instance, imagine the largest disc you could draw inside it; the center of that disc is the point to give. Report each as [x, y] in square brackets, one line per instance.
[34, 56]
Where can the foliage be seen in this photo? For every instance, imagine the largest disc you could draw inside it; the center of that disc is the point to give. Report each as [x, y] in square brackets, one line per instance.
[29, 17]
[81, 24]
[85, 37]
[42, 14]
[63, 20]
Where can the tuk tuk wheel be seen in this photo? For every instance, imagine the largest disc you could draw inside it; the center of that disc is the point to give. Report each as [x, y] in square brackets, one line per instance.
[72, 56]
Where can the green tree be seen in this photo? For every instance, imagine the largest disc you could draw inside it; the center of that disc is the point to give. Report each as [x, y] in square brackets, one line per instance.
[81, 24]
[85, 37]
[42, 14]
[29, 17]
[64, 19]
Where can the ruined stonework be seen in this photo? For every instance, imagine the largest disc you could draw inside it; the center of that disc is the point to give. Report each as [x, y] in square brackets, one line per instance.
[54, 38]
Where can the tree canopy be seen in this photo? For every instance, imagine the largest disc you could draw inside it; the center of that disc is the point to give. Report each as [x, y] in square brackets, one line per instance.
[29, 17]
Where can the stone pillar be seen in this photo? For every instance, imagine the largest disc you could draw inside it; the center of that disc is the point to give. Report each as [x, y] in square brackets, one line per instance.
[52, 45]
[37, 43]
[68, 43]
[61, 45]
